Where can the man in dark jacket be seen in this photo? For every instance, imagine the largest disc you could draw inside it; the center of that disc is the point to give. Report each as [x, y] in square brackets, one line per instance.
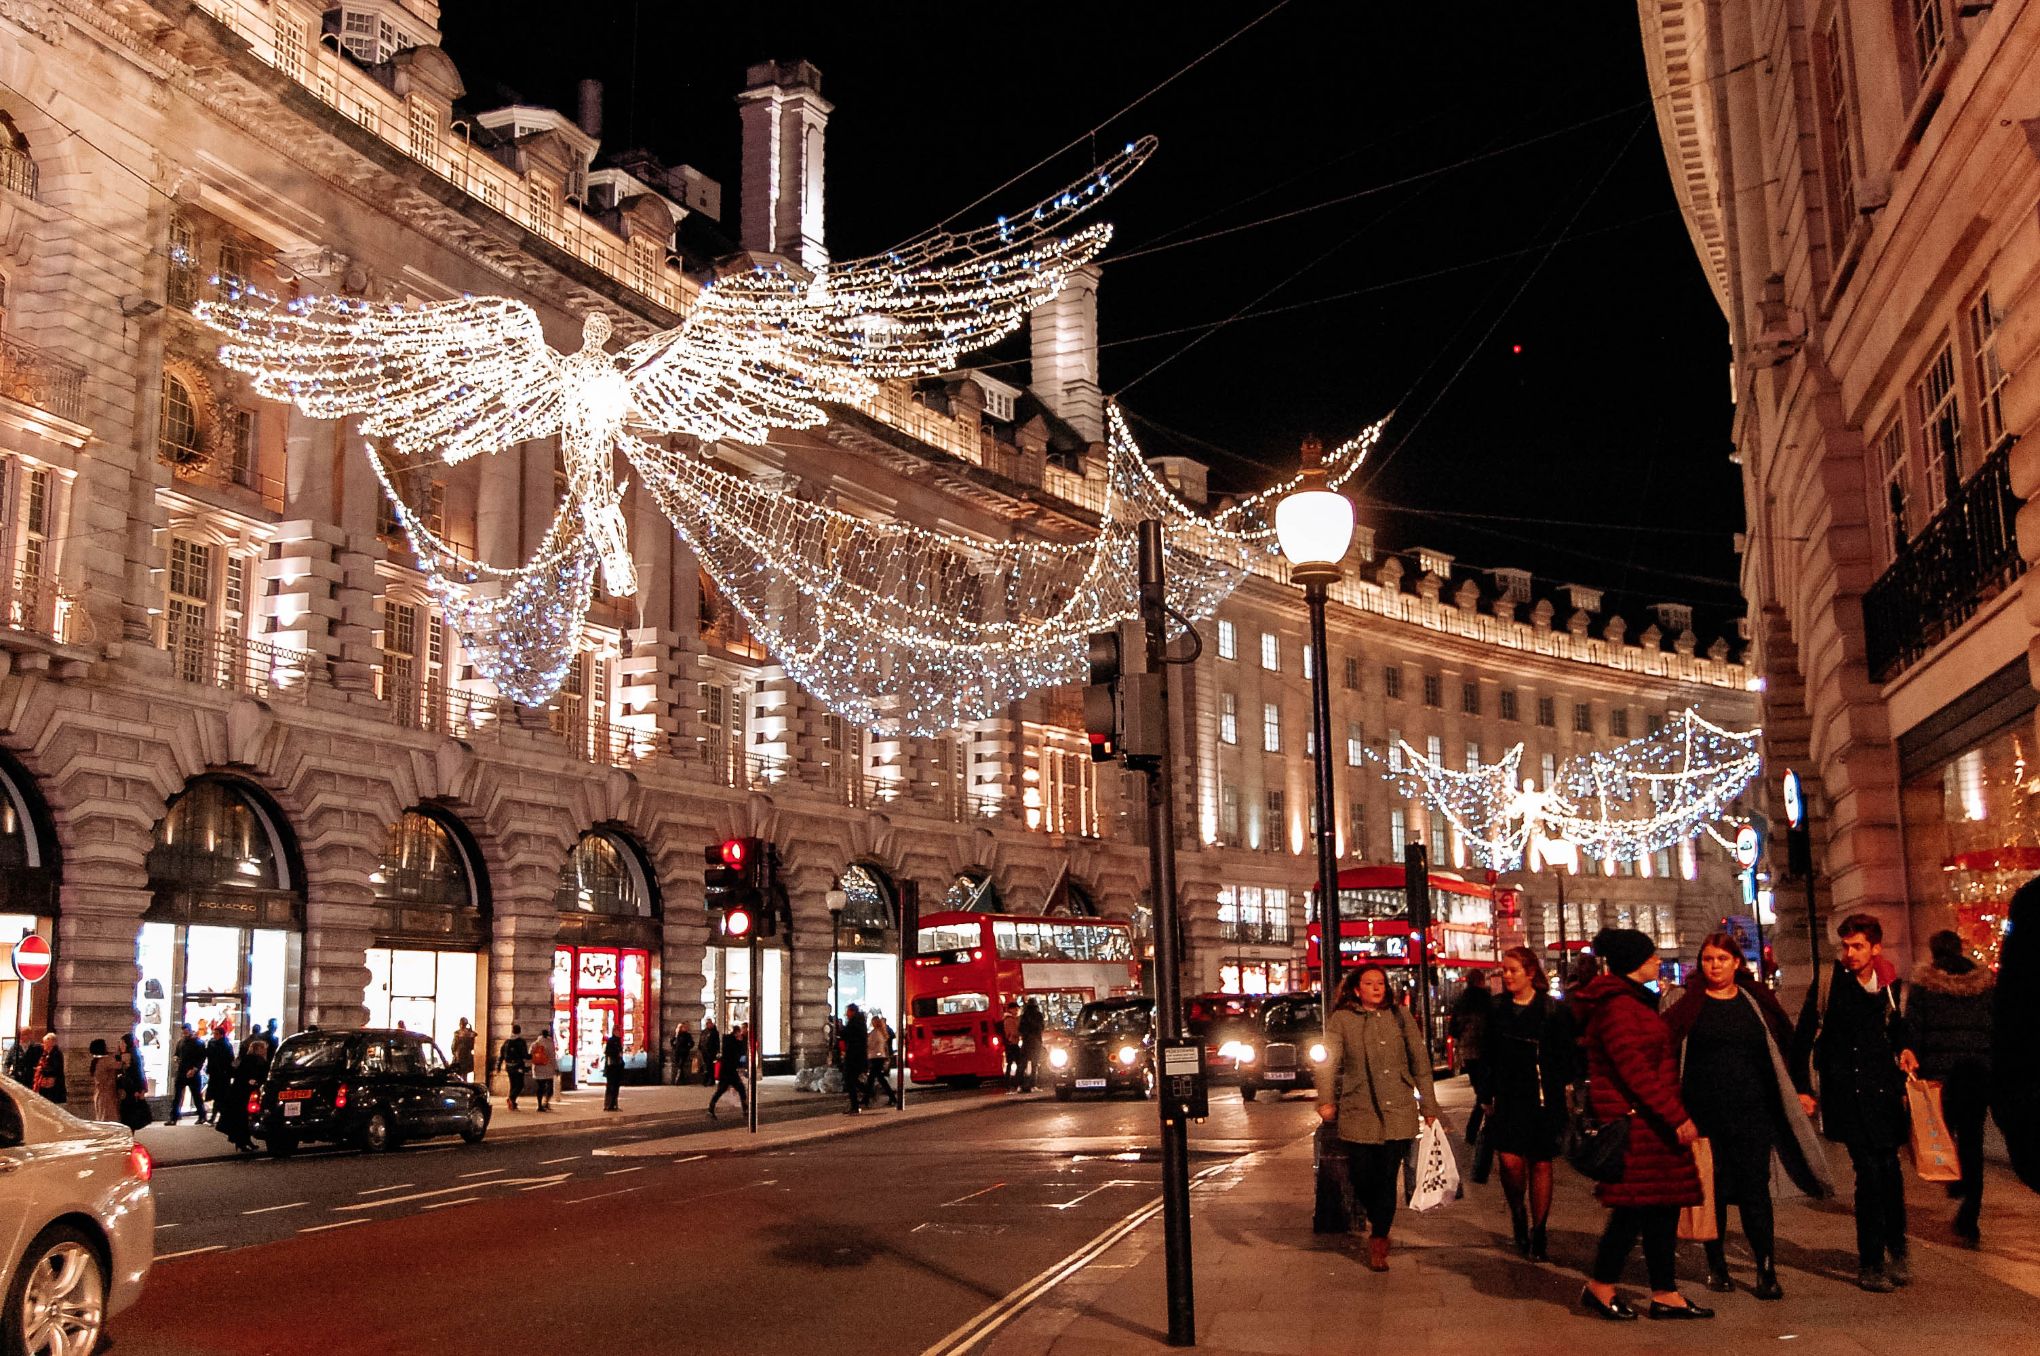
[1948, 1013]
[683, 1053]
[612, 1070]
[1861, 1050]
[1033, 1026]
[49, 1071]
[856, 1056]
[711, 1050]
[729, 1070]
[1469, 1037]
[514, 1058]
[219, 1071]
[190, 1059]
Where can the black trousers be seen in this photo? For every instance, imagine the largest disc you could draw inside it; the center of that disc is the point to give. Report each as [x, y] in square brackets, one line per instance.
[516, 1077]
[187, 1080]
[1658, 1227]
[612, 1084]
[853, 1083]
[1880, 1204]
[727, 1086]
[1965, 1101]
[1375, 1184]
[1759, 1225]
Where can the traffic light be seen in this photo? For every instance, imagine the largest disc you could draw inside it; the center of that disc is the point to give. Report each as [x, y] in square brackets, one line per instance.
[1123, 703]
[734, 884]
[1417, 891]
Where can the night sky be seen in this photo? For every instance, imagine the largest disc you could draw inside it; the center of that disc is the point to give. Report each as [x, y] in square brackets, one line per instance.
[1563, 408]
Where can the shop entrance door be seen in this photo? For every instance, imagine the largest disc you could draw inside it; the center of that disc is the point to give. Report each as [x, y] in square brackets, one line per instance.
[594, 1020]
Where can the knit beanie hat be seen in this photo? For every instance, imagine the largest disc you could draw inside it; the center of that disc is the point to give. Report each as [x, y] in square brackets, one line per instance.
[1622, 950]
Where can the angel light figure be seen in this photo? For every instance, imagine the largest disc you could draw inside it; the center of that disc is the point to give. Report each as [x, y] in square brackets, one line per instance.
[1541, 813]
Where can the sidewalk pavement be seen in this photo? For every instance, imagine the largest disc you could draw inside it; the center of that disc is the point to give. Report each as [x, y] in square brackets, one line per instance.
[651, 1104]
[1265, 1283]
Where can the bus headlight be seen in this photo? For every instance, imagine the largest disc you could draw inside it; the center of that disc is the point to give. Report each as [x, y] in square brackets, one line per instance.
[1317, 1052]
[1058, 1057]
[1127, 1055]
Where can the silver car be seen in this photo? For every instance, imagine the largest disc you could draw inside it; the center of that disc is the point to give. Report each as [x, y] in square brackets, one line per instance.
[77, 1224]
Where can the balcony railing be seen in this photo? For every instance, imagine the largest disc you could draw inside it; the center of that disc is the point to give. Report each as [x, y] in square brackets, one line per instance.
[1253, 932]
[1965, 557]
[236, 664]
[235, 479]
[599, 739]
[439, 709]
[38, 605]
[33, 377]
[17, 171]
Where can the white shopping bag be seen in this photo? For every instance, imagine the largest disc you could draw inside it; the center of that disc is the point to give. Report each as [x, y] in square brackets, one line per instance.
[1437, 1171]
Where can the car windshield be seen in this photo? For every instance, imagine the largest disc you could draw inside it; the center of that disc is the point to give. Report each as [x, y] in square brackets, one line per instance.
[1290, 1019]
[312, 1054]
[1125, 1021]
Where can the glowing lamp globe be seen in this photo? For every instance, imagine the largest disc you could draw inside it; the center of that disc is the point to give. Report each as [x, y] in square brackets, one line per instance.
[1314, 524]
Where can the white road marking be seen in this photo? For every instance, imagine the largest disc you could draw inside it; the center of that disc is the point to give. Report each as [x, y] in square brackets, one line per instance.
[192, 1252]
[377, 1191]
[339, 1224]
[625, 1191]
[618, 1172]
[161, 1227]
[451, 1191]
[691, 1158]
[975, 1194]
[548, 1162]
[488, 1172]
[441, 1205]
[272, 1209]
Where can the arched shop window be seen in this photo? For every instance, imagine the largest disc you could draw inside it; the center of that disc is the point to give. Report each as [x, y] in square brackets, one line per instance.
[28, 896]
[865, 963]
[221, 945]
[972, 891]
[425, 969]
[868, 899]
[603, 959]
[604, 875]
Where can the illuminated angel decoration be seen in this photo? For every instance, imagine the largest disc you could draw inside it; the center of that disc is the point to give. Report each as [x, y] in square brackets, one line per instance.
[1621, 804]
[893, 626]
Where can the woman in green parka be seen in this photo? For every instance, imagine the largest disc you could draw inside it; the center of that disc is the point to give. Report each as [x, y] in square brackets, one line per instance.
[1379, 1090]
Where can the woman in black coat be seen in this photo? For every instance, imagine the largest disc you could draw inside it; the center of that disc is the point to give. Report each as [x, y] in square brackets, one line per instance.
[1532, 1055]
[2015, 1016]
[251, 1071]
[1949, 1011]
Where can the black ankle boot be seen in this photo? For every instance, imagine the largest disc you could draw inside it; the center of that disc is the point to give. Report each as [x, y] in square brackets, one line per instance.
[1767, 1279]
[1519, 1224]
[1538, 1252]
[1717, 1267]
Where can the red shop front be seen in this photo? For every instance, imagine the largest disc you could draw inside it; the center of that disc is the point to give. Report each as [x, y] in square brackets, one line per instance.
[598, 990]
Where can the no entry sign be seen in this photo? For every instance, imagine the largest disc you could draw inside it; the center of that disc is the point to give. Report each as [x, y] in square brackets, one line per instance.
[31, 959]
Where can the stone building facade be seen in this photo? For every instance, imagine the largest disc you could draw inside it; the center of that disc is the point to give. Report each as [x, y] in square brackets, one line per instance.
[1861, 180]
[251, 777]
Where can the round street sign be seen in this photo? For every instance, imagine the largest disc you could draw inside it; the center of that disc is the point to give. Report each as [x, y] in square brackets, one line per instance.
[1746, 845]
[31, 959]
[1795, 801]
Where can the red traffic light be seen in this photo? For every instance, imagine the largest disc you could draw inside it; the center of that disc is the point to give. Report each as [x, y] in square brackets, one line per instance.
[734, 851]
[737, 923]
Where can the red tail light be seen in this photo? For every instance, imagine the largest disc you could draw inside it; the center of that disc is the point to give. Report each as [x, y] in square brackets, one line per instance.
[254, 1104]
[140, 1165]
[340, 1098]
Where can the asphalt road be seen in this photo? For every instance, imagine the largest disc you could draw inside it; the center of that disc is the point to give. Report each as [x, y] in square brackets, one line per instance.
[628, 1241]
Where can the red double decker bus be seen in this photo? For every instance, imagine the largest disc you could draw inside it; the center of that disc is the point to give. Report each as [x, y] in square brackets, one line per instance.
[1374, 925]
[969, 965]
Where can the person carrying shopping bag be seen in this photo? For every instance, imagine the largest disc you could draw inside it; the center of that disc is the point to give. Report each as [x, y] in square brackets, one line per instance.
[1379, 1088]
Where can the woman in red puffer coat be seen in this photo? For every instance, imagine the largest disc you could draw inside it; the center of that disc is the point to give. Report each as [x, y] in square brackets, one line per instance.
[1631, 1072]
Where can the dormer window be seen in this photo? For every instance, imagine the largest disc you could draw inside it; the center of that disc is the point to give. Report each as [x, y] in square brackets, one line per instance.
[1514, 585]
[1584, 599]
[999, 405]
[1434, 562]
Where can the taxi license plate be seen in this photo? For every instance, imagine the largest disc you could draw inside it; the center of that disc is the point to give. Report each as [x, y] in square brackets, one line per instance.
[291, 1109]
[1090, 1082]
[1281, 1075]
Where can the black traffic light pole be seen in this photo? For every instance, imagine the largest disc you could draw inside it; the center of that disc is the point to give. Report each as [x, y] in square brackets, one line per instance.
[1168, 1004]
[751, 1046]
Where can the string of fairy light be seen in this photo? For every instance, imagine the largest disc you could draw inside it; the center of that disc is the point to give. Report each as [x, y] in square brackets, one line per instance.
[1619, 804]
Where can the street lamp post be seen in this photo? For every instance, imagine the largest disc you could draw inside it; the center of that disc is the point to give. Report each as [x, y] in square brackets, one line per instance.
[1314, 525]
[837, 901]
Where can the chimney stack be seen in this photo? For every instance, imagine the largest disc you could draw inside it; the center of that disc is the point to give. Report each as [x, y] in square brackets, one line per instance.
[1064, 335]
[785, 119]
[590, 114]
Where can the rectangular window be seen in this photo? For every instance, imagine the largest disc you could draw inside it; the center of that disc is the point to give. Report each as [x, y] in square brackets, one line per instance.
[1549, 767]
[1356, 831]
[1309, 659]
[35, 524]
[1469, 699]
[1547, 712]
[234, 597]
[182, 285]
[1434, 749]
[1438, 840]
[1271, 727]
[1228, 641]
[1663, 861]
[1229, 815]
[1352, 676]
[1582, 718]
[1275, 914]
[424, 128]
[1508, 703]
[400, 654]
[1937, 428]
[1395, 758]
[1434, 690]
[1356, 748]
[1929, 34]
[1398, 833]
[290, 45]
[1275, 825]
[1985, 321]
[1391, 681]
[188, 614]
[1228, 718]
[1271, 652]
[1472, 756]
[538, 204]
[241, 446]
[1838, 118]
[1618, 722]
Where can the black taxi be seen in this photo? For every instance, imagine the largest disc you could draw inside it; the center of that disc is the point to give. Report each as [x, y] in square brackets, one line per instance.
[1286, 1049]
[369, 1087]
[1110, 1049]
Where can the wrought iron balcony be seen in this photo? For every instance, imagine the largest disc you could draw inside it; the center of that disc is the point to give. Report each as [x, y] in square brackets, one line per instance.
[33, 377]
[1965, 557]
[1254, 931]
[235, 663]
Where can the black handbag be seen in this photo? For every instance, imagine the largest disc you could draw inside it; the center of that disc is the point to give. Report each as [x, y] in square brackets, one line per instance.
[1597, 1149]
[1483, 1153]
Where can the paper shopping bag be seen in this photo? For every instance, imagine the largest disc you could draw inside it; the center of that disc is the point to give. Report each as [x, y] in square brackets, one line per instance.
[1933, 1148]
[1696, 1222]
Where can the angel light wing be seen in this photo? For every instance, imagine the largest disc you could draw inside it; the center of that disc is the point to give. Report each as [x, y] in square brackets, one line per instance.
[763, 349]
[1480, 803]
[445, 379]
[1650, 793]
